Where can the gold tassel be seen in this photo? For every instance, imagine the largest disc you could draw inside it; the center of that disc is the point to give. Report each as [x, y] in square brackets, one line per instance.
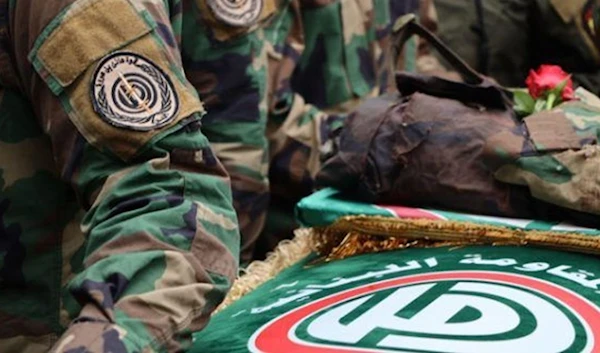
[335, 245]
[392, 233]
[287, 253]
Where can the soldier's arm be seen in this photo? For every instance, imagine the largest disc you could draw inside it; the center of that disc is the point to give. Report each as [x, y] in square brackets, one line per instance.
[161, 241]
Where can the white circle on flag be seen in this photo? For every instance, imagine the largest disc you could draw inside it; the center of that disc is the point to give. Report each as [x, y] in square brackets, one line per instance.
[453, 311]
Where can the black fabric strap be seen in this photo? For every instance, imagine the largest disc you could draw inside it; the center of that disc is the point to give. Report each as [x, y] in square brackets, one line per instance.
[484, 46]
[407, 26]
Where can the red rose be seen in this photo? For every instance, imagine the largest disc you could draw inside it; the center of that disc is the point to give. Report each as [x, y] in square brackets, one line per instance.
[547, 78]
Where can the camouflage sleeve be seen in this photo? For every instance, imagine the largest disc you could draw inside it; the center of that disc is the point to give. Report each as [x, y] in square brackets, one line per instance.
[161, 237]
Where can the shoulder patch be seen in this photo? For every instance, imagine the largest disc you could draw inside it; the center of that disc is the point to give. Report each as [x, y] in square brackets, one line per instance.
[130, 91]
[237, 13]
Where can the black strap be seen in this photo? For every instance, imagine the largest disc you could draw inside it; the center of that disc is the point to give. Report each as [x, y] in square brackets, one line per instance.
[407, 26]
[483, 39]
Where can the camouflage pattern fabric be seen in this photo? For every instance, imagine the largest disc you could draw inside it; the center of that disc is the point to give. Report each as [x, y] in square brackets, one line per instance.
[229, 71]
[343, 59]
[558, 159]
[274, 94]
[510, 37]
[326, 56]
[119, 231]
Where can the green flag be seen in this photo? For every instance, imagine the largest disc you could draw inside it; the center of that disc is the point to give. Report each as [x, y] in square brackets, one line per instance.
[474, 299]
[467, 299]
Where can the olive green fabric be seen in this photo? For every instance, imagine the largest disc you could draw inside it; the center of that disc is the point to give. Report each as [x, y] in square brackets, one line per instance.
[513, 36]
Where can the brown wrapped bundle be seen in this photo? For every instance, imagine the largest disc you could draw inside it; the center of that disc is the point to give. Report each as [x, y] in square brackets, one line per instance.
[460, 146]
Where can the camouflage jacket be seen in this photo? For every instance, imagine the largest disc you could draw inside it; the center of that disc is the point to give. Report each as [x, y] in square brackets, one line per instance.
[116, 218]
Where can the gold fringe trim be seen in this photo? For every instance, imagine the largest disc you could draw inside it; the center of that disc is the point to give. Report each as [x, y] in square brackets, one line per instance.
[287, 253]
[356, 235]
[333, 245]
[360, 234]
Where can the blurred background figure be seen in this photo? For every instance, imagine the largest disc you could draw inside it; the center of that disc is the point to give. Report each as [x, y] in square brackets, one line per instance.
[327, 57]
[504, 39]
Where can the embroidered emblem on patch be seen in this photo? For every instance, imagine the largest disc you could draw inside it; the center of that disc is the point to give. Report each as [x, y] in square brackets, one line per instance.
[237, 13]
[129, 91]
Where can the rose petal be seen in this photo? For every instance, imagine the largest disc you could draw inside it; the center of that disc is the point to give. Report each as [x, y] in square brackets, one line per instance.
[547, 78]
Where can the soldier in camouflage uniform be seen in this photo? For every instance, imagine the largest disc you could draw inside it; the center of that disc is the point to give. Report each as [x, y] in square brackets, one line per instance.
[322, 54]
[325, 57]
[227, 64]
[506, 38]
[116, 220]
